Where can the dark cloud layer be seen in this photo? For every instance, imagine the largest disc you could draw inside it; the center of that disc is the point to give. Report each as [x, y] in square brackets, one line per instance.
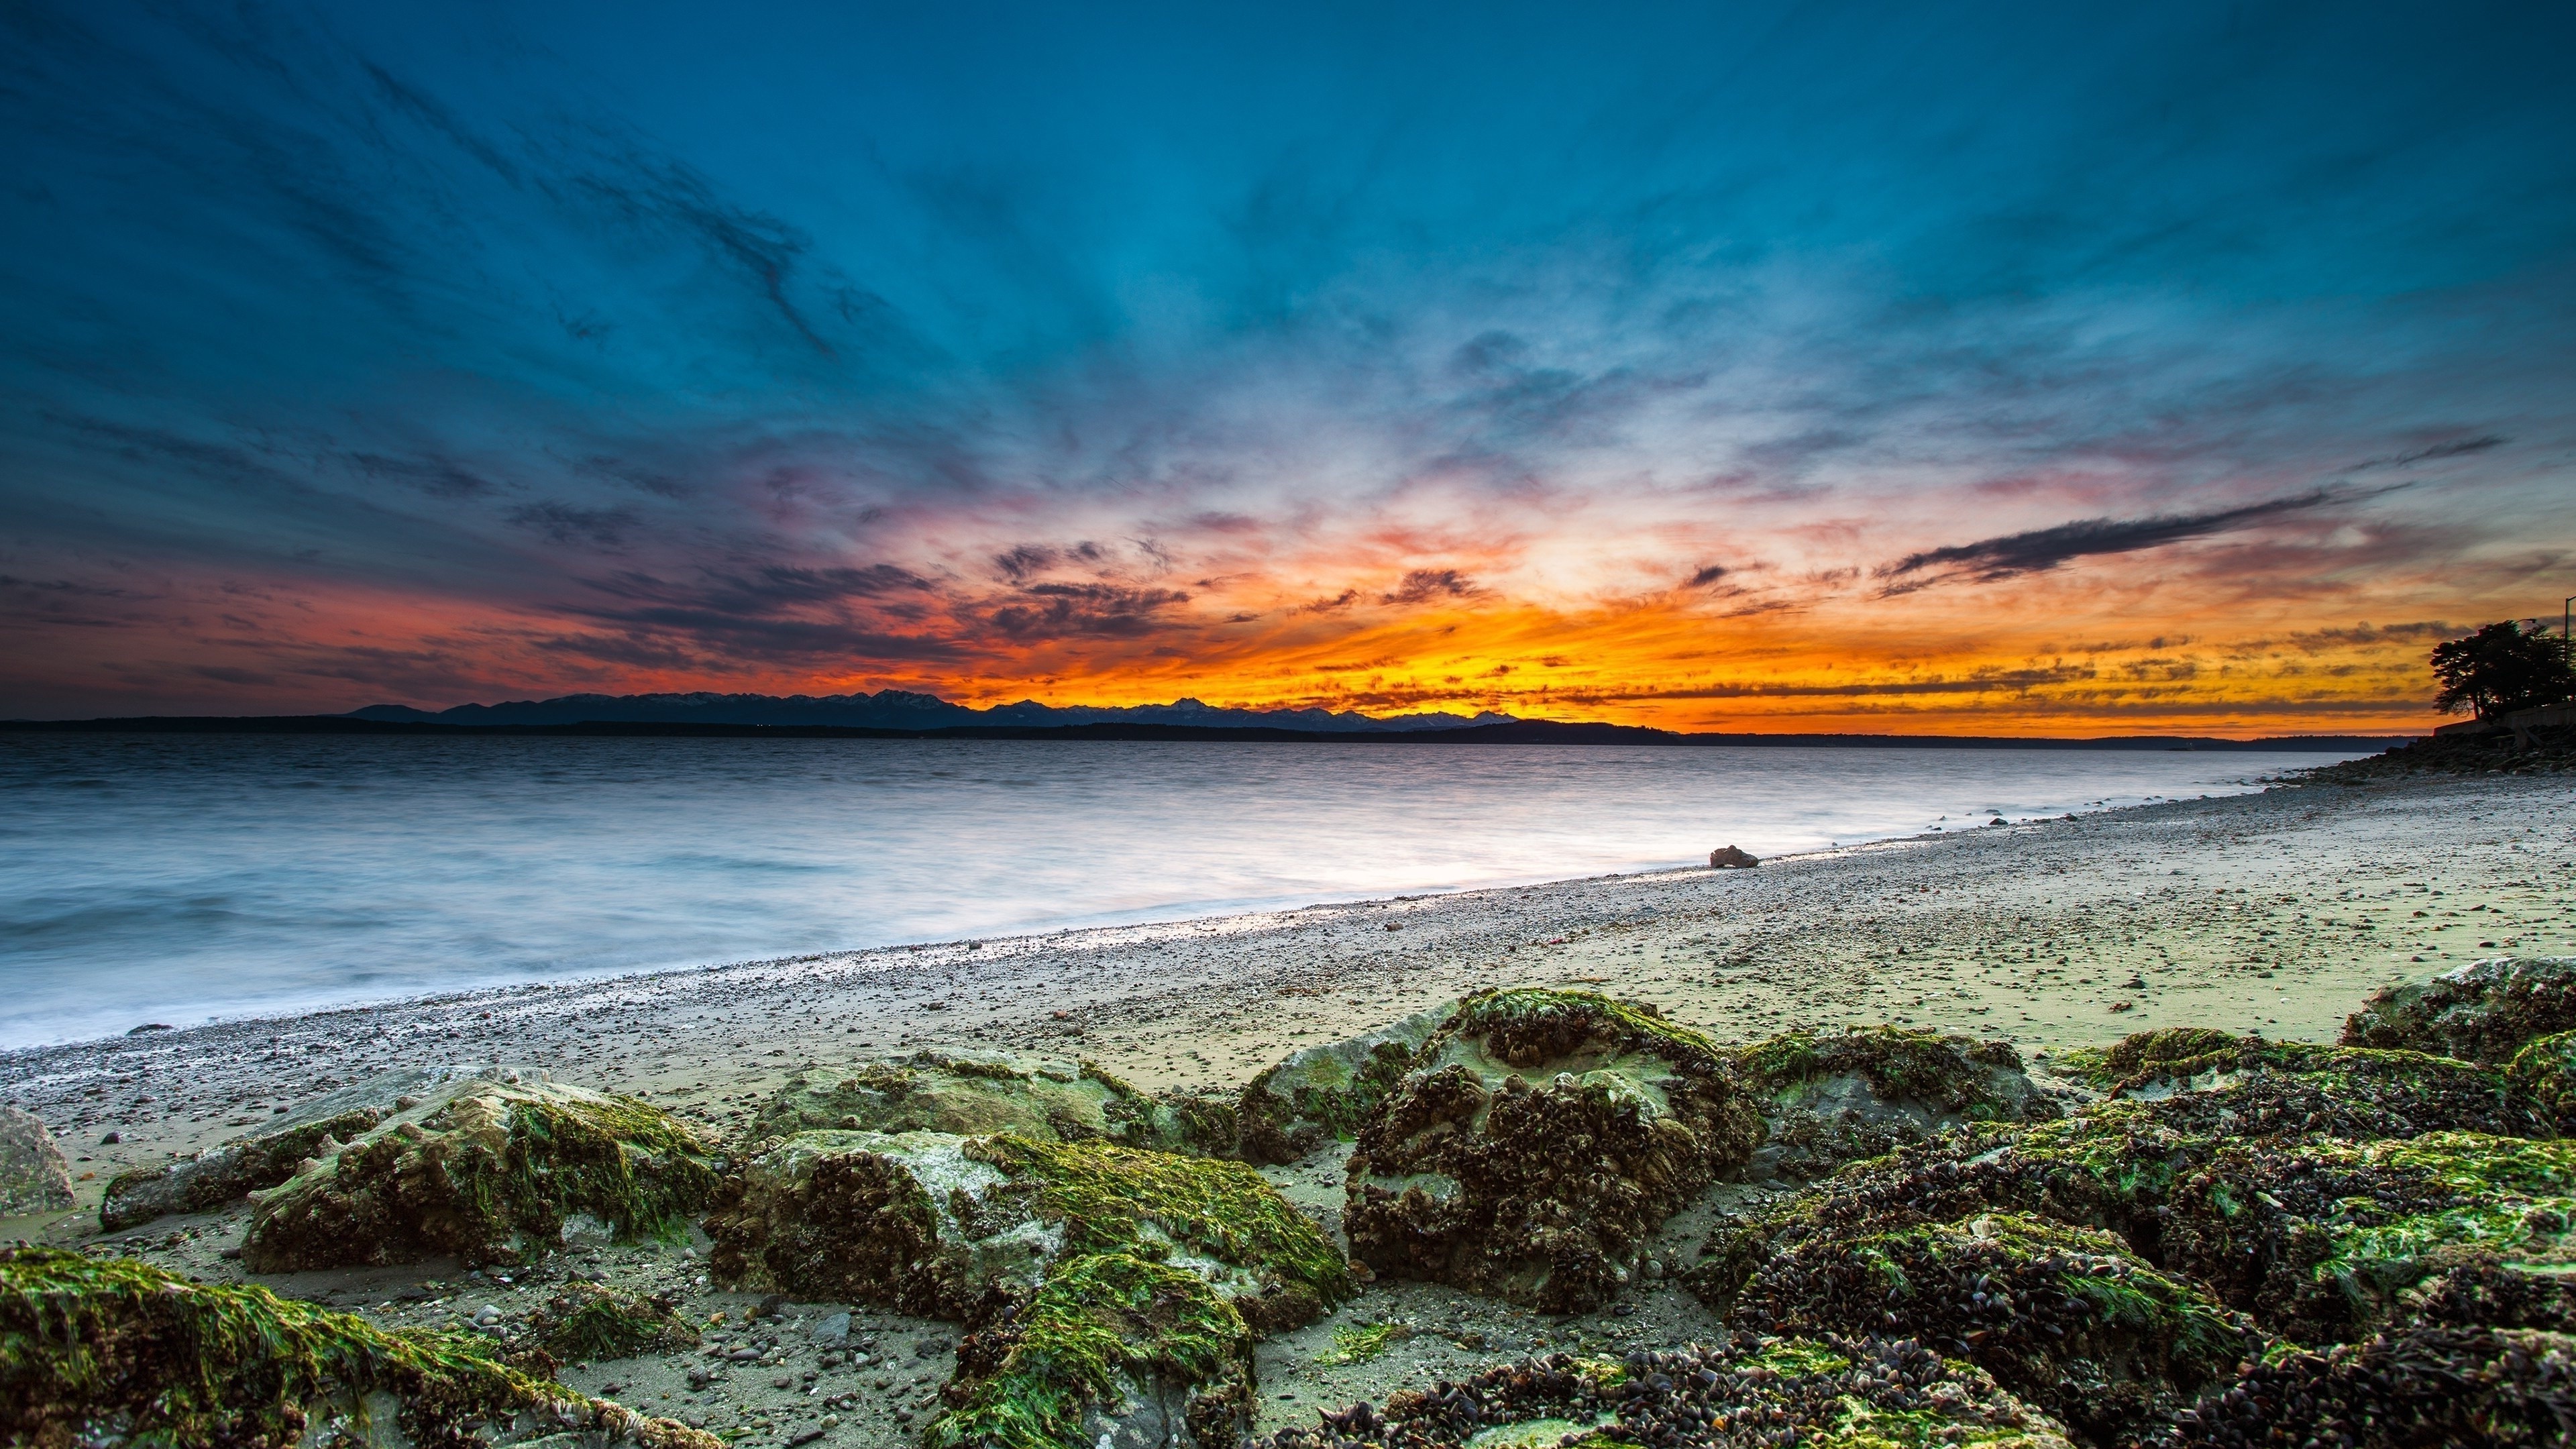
[1991, 560]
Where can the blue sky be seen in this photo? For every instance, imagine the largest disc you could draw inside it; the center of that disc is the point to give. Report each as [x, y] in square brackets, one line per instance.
[445, 352]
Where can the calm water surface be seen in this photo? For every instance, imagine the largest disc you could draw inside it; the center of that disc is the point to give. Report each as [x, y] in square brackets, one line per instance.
[177, 878]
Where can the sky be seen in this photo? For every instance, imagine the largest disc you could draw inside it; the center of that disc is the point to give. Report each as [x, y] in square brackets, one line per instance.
[1961, 369]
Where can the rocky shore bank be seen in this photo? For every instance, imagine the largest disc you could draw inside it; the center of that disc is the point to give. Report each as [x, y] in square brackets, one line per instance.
[1576, 1208]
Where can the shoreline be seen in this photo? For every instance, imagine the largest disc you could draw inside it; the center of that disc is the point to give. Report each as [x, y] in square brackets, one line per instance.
[2270, 911]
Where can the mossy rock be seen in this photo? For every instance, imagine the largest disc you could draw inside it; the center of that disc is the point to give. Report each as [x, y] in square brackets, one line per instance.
[1828, 1098]
[1323, 1093]
[927, 1222]
[2482, 1012]
[1538, 1141]
[2459, 1387]
[971, 1092]
[97, 1351]
[2115, 1164]
[592, 1323]
[254, 1161]
[2322, 1239]
[1739, 1393]
[490, 1173]
[2543, 1070]
[2066, 1317]
[1109, 1349]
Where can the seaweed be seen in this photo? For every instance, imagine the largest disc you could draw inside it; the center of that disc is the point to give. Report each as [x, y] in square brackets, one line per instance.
[93, 1349]
[1104, 1331]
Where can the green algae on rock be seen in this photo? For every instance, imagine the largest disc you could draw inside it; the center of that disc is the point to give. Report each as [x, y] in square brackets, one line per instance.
[1109, 1349]
[2460, 1387]
[970, 1092]
[2320, 1239]
[591, 1323]
[2482, 1012]
[1740, 1393]
[1322, 1093]
[278, 1150]
[925, 1222]
[489, 1173]
[111, 1350]
[2543, 1070]
[2066, 1317]
[1837, 1097]
[1537, 1141]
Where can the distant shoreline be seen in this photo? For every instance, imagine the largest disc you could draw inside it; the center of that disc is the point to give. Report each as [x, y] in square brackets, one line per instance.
[1523, 732]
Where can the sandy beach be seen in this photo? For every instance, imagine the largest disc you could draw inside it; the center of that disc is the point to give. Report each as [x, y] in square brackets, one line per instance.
[2273, 913]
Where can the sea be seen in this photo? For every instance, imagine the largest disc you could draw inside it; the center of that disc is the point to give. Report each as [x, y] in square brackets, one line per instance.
[186, 878]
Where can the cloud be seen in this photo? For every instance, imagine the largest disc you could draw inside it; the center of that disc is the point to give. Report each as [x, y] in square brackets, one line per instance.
[1992, 560]
[1097, 610]
[1706, 576]
[1423, 586]
[563, 523]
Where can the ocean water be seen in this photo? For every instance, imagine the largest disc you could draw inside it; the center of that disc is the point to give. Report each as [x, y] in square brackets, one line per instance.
[182, 878]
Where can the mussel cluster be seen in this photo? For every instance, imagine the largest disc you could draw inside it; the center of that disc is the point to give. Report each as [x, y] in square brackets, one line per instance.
[2431, 1384]
[2064, 1317]
[1738, 1394]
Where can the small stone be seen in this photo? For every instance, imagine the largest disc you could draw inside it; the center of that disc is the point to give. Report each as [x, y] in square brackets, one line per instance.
[1732, 858]
[833, 1330]
[111, 1139]
[148, 1027]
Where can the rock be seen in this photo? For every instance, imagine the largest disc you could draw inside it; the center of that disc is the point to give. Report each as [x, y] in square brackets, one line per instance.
[488, 1171]
[927, 1222]
[589, 1323]
[2118, 1164]
[2067, 1318]
[833, 1331]
[148, 1028]
[34, 1177]
[1728, 857]
[1739, 1393]
[2427, 1384]
[1537, 1141]
[2481, 1012]
[277, 1151]
[1323, 1093]
[2323, 1239]
[1110, 1352]
[113, 1351]
[2543, 1070]
[1835, 1097]
[970, 1092]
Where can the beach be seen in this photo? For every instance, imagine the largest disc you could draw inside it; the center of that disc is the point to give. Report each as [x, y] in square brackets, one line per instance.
[2272, 913]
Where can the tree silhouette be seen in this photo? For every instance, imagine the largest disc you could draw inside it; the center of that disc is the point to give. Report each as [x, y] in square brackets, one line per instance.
[2502, 668]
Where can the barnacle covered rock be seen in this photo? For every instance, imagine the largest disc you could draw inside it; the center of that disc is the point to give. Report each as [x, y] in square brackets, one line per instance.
[973, 1092]
[1828, 1098]
[2483, 1011]
[99, 1351]
[2321, 1238]
[1740, 1393]
[2544, 1072]
[926, 1222]
[490, 1172]
[2462, 1388]
[1323, 1093]
[278, 1150]
[589, 1323]
[2066, 1317]
[1538, 1139]
[1109, 1349]
[2174, 1107]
